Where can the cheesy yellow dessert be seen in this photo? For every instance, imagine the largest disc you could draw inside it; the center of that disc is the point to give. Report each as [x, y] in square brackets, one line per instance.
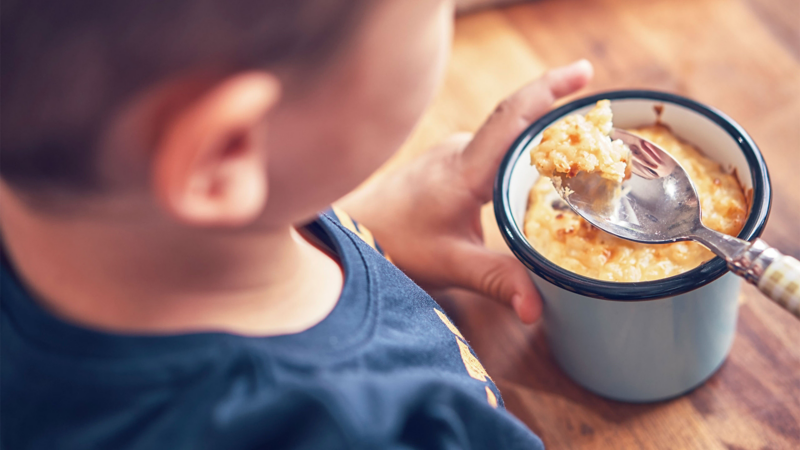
[581, 143]
[572, 243]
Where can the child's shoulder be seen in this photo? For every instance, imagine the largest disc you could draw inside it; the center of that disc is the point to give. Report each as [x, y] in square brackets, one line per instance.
[385, 357]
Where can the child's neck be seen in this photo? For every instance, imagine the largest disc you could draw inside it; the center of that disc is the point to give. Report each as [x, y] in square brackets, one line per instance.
[153, 279]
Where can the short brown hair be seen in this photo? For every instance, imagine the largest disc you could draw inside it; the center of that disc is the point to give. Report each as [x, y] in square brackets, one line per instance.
[67, 65]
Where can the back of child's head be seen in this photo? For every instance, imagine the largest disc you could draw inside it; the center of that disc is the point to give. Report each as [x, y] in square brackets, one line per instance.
[224, 112]
[68, 66]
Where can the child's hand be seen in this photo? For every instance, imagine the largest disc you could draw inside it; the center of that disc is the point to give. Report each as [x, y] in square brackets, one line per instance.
[426, 215]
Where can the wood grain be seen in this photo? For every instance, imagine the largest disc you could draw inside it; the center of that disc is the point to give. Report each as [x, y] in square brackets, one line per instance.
[740, 56]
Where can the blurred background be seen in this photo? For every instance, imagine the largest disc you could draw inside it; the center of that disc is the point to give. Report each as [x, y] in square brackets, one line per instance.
[739, 56]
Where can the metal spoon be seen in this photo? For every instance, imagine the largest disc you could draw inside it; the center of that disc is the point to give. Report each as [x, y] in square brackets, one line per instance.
[658, 204]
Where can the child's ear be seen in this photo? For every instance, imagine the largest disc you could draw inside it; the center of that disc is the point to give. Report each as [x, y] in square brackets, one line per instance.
[210, 166]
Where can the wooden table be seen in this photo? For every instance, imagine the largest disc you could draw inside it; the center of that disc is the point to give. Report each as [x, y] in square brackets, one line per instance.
[740, 56]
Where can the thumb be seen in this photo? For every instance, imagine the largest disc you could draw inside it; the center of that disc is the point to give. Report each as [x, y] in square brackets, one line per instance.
[496, 275]
[483, 155]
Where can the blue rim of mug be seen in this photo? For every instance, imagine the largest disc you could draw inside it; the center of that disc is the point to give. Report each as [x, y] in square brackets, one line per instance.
[635, 291]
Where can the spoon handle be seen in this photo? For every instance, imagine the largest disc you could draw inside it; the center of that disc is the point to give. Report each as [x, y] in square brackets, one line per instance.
[781, 282]
[775, 274]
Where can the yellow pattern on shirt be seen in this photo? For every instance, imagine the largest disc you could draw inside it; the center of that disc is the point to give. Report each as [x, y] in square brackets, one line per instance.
[474, 367]
[359, 231]
[448, 323]
[490, 397]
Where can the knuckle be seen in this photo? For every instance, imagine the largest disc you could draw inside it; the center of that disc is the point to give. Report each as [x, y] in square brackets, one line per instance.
[507, 107]
[461, 138]
[548, 80]
[458, 143]
[492, 279]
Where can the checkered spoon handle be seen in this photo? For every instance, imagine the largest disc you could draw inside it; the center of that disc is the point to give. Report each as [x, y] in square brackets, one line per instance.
[775, 274]
[781, 282]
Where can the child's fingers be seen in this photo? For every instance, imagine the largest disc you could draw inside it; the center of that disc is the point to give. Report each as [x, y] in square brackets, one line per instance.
[498, 276]
[482, 157]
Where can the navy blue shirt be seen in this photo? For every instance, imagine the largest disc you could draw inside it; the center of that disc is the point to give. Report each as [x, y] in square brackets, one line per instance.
[385, 370]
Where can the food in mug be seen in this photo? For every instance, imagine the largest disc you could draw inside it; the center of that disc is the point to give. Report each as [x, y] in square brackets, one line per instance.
[581, 144]
[570, 242]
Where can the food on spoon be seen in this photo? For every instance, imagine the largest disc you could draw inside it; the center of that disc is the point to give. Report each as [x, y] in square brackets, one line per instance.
[580, 143]
[568, 241]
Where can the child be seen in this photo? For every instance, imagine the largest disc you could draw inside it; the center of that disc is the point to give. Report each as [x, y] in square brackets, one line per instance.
[167, 280]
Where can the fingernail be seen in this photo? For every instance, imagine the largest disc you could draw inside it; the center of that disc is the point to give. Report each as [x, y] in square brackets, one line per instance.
[525, 316]
[582, 62]
[589, 65]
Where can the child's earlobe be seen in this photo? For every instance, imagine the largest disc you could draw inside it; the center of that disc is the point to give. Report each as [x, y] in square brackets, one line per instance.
[210, 168]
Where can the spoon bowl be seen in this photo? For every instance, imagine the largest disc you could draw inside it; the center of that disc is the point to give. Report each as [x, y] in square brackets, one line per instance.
[657, 204]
